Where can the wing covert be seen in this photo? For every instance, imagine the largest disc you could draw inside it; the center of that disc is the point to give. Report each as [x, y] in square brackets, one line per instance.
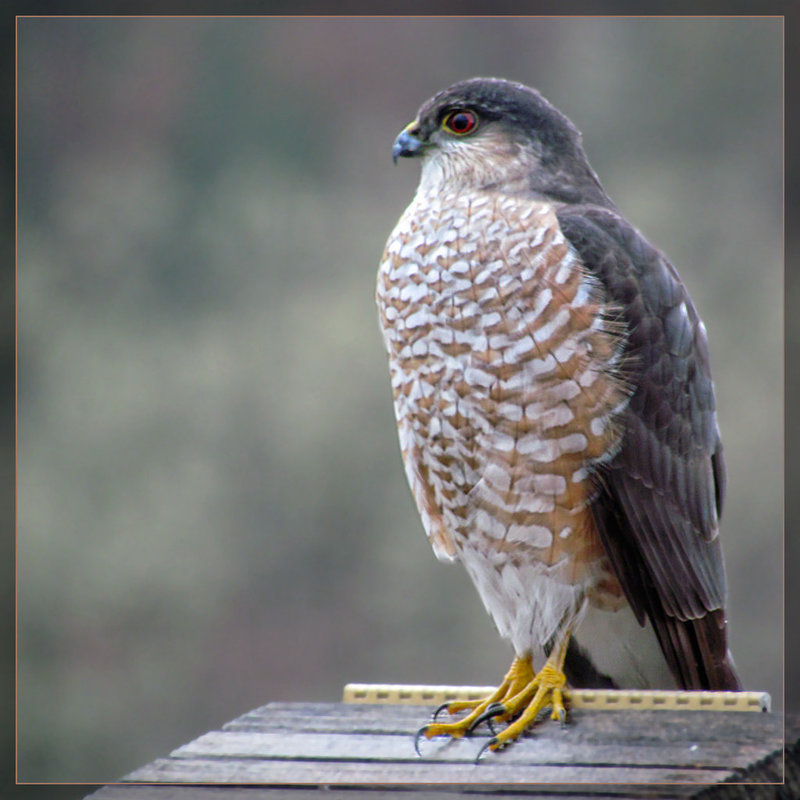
[661, 496]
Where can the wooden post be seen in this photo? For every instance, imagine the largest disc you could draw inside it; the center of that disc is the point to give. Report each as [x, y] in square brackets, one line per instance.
[642, 752]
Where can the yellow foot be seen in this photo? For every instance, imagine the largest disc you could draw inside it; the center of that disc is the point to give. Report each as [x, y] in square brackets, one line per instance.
[544, 691]
[521, 697]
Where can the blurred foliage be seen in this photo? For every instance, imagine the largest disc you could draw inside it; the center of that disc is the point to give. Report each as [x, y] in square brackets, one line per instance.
[212, 509]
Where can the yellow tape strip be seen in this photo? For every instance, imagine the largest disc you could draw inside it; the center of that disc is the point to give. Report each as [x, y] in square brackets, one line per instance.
[600, 699]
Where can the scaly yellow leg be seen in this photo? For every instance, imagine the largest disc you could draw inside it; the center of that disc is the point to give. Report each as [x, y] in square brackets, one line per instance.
[521, 697]
[518, 677]
[545, 690]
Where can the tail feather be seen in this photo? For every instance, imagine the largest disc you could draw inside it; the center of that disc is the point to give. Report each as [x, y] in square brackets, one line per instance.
[697, 651]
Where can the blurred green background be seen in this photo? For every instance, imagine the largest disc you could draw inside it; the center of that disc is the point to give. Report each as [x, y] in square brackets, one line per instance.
[212, 509]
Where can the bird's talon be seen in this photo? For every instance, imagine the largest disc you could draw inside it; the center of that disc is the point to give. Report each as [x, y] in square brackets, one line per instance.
[423, 731]
[439, 709]
[490, 745]
[494, 710]
[522, 698]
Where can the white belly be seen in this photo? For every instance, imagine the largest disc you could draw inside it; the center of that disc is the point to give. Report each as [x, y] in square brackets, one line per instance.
[527, 602]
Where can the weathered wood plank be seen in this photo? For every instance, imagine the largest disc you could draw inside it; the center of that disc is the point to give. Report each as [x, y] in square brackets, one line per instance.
[558, 748]
[658, 754]
[539, 792]
[351, 744]
[405, 773]
[645, 727]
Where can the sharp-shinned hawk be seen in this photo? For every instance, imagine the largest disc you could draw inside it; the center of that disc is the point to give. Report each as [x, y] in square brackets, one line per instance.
[555, 409]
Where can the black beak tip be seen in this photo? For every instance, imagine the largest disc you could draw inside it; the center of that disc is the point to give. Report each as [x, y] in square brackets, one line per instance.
[405, 146]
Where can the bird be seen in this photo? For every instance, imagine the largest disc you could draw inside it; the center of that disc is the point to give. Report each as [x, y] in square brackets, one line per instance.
[555, 411]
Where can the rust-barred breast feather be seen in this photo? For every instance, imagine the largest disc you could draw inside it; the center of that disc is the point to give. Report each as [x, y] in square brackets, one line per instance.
[554, 405]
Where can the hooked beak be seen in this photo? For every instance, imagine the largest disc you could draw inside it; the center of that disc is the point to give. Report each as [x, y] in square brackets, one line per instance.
[406, 145]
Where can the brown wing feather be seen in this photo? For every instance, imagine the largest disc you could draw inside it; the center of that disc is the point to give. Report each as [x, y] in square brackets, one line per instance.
[661, 496]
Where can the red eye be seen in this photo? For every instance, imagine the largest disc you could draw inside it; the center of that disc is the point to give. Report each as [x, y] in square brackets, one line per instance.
[461, 122]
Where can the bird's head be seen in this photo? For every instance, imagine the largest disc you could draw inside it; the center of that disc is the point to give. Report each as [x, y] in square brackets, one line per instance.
[488, 133]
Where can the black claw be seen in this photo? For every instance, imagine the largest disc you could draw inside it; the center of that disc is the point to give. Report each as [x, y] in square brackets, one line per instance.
[494, 710]
[420, 734]
[439, 710]
[486, 747]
